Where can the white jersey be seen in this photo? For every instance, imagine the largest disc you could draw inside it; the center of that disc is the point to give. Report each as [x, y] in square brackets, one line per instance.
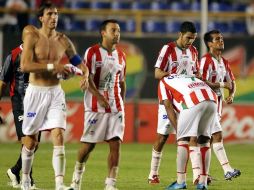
[109, 70]
[175, 60]
[185, 91]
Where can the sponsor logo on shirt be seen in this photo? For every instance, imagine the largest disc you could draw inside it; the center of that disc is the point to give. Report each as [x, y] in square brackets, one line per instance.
[31, 114]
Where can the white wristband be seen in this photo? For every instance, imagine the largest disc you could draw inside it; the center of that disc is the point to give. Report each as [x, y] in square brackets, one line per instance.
[222, 84]
[50, 66]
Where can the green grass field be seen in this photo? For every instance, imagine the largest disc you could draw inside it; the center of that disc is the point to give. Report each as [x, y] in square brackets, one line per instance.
[134, 167]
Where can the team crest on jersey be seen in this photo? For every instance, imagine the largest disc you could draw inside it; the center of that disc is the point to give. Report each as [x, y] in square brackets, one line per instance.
[175, 64]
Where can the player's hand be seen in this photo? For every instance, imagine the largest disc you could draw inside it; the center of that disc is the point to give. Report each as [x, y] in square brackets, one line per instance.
[60, 68]
[229, 99]
[103, 102]
[84, 84]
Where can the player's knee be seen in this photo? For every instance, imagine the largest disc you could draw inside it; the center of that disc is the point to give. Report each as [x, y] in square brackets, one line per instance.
[203, 139]
[217, 137]
[163, 139]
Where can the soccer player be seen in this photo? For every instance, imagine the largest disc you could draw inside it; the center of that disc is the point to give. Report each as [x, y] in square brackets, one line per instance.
[44, 101]
[18, 82]
[104, 103]
[191, 107]
[217, 74]
[177, 57]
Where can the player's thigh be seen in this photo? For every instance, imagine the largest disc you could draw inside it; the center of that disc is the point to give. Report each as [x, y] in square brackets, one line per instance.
[95, 127]
[116, 126]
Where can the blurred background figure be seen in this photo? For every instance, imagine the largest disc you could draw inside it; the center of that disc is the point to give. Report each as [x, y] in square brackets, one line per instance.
[16, 18]
[250, 19]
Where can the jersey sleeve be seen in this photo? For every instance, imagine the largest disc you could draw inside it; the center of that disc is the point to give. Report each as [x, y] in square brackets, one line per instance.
[163, 58]
[6, 70]
[123, 72]
[204, 68]
[229, 74]
[89, 59]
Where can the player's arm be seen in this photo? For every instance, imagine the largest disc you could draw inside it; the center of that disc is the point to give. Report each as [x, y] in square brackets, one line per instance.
[159, 74]
[6, 73]
[76, 60]
[171, 113]
[27, 63]
[123, 89]
[92, 88]
[230, 98]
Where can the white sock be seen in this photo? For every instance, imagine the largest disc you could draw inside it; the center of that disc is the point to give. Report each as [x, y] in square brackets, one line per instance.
[182, 160]
[58, 162]
[27, 161]
[205, 152]
[155, 163]
[78, 172]
[110, 181]
[221, 155]
[195, 161]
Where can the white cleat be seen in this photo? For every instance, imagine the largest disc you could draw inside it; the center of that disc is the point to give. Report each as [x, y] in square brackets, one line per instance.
[14, 180]
[76, 185]
[63, 187]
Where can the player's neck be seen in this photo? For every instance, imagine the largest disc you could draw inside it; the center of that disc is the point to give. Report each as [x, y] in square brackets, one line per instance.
[48, 32]
[108, 47]
[216, 54]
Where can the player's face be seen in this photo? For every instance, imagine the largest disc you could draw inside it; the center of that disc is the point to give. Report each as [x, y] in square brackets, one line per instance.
[217, 42]
[187, 39]
[50, 18]
[111, 33]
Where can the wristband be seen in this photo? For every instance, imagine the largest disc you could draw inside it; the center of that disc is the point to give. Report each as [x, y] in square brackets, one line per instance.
[222, 84]
[50, 66]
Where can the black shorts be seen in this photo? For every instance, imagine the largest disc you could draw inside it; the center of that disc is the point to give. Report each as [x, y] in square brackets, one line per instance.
[18, 120]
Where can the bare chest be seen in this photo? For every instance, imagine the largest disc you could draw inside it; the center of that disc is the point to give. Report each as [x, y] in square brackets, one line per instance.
[49, 49]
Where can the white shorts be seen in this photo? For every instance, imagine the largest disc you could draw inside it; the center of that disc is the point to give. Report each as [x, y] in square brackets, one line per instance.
[217, 126]
[163, 124]
[44, 109]
[197, 120]
[100, 127]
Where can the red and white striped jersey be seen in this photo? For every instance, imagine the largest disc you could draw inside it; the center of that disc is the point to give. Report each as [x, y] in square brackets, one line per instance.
[109, 69]
[214, 70]
[175, 60]
[185, 91]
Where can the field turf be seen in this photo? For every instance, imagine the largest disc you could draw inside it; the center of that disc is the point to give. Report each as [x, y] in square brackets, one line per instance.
[134, 167]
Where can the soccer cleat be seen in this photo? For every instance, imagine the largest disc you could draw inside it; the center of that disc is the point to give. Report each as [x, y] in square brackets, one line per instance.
[176, 185]
[233, 174]
[201, 186]
[76, 185]
[154, 180]
[110, 187]
[63, 187]
[14, 179]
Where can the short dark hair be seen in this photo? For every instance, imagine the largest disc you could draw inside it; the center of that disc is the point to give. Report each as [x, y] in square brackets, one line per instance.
[45, 5]
[188, 27]
[208, 37]
[105, 22]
